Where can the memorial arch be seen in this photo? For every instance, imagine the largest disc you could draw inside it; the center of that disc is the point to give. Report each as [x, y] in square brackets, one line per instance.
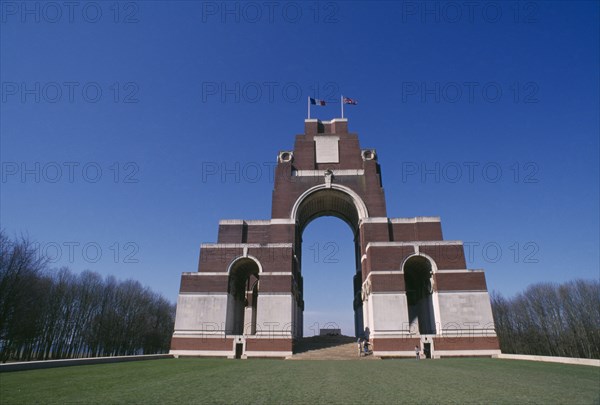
[411, 287]
[340, 202]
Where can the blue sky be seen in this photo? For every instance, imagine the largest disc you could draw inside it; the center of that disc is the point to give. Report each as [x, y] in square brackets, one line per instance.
[129, 129]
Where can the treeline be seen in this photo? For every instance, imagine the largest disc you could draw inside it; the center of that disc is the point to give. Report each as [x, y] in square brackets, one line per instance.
[551, 320]
[54, 314]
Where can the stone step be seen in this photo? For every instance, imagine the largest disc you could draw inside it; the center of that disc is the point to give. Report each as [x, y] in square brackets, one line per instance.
[328, 348]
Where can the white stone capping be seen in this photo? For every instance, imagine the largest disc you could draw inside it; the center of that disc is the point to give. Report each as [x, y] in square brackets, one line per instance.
[461, 291]
[321, 173]
[372, 293]
[282, 221]
[224, 273]
[397, 334]
[380, 353]
[243, 245]
[326, 122]
[268, 294]
[256, 221]
[375, 220]
[456, 271]
[385, 272]
[413, 220]
[203, 353]
[204, 294]
[416, 243]
[466, 333]
[452, 353]
[231, 222]
[268, 354]
[276, 334]
[200, 334]
[456, 333]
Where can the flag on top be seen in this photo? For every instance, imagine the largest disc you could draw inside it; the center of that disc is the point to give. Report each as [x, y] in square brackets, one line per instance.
[350, 101]
[316, 101]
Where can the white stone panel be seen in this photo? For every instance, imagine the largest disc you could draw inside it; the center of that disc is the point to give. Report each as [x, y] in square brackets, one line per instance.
[390, 312]
[274, 314]
[327, 149]
[468, 310]
[197, 312]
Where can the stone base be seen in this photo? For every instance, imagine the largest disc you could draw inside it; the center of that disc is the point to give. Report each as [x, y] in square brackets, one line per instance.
[226, 347]
[440, 347]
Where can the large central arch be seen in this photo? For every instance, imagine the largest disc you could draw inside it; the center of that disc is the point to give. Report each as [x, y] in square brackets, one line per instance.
[329, 199]
[343, 203]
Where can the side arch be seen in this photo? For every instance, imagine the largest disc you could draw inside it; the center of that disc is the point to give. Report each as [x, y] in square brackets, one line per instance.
[242, 295]
[237, 259]
[421, 297]
[434, 266]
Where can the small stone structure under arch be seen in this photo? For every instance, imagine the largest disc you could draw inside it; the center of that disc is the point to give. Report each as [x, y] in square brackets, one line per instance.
[411, 287]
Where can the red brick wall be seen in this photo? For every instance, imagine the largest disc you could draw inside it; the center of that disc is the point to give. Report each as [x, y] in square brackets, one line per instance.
[304, 153]
[179, 343]
[387, 257]
[282, 233]
[217, 259]
[470, 281]
[374, 232]
[267, 345]
[387, 283]
[403, 232]
[275, 283]
[466, 343]
[447, 257]
[407, 232]
[429, 231]
[273, 258]
[230, 233]
[197, 284]
[399, 344]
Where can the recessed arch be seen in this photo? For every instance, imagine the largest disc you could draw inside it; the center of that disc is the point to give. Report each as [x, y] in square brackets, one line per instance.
[434, 267]
[235, 261]
[419, 286]
[242, 295]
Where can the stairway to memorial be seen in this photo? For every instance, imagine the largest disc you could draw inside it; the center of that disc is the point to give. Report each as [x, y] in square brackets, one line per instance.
[328, 348]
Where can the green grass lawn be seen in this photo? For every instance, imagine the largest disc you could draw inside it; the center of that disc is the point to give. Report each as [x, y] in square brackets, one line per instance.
[277, 381]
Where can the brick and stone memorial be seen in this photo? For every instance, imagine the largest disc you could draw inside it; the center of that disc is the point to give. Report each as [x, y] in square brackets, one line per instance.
[411, 287]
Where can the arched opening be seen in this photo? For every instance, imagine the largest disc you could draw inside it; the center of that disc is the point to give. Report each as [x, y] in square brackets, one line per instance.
[341, 203]
[327, 271]
[242, 297]
[418, 276]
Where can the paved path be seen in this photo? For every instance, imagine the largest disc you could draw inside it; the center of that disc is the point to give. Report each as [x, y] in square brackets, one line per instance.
[328, 348]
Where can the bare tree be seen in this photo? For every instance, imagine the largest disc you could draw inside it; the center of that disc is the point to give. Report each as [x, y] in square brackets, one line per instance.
[549, 319]
[48, 313]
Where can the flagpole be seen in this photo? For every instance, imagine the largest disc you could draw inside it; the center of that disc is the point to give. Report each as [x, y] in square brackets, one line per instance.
[308, 106]
[342, 104]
